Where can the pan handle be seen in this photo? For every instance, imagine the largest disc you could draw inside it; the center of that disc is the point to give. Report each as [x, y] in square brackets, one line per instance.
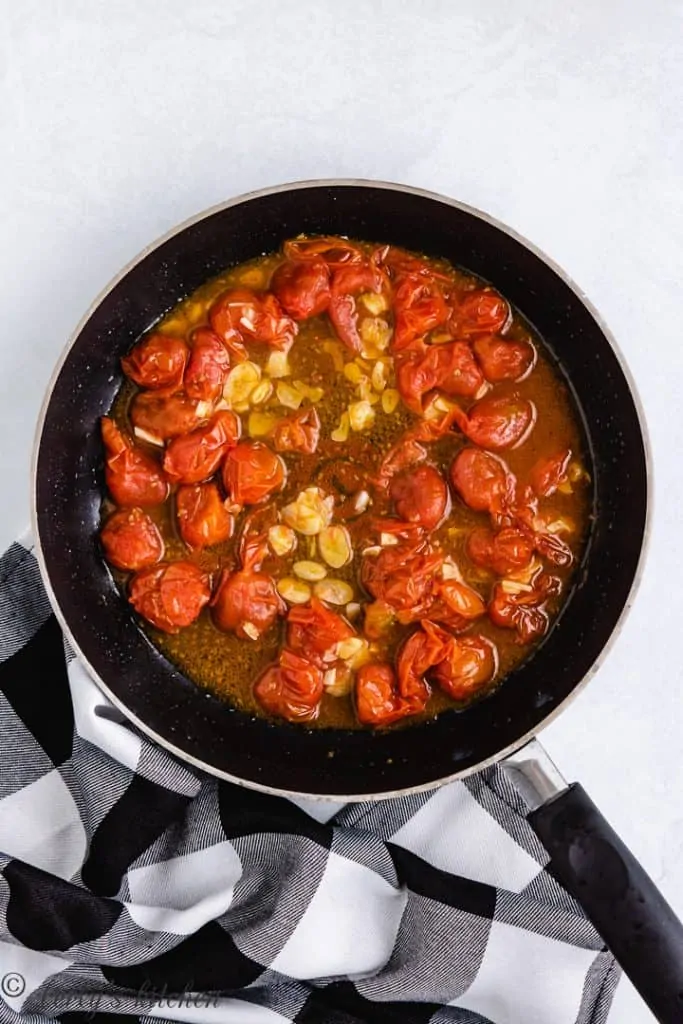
[620, 899]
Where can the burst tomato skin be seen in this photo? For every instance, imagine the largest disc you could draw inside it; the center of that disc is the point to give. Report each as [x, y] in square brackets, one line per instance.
[482, 480]
[481, 311]
[302, 288]
[313, 630]
[549, 473]
[196, 456]
[503, 360]
[132, 476]
[165, 416]
[203, 519]
[497, 422]
[299, 432]
[131, 540]
[292, 689]
[241, 314]
[252, 472]
[471, 663]
[207, 367]
[378, 702]
[158, 361]
[170, 595]
[246, 599]
[501, 551]
[420, 496]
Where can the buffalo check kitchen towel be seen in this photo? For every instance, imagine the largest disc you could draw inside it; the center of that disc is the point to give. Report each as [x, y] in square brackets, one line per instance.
[133, 887]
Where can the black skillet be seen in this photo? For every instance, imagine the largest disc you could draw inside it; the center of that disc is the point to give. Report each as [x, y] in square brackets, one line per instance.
[621, 900]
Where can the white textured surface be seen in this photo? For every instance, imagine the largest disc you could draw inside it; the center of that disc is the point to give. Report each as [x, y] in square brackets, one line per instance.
[120, 119]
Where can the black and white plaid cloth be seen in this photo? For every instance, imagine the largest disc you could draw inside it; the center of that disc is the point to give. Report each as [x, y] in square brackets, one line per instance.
[131, 884]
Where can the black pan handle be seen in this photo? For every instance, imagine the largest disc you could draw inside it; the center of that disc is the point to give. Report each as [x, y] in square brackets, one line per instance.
[618, 896]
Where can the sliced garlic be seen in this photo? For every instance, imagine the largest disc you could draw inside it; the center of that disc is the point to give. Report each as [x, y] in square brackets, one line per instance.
[313, 394]
[450, 571]
[365, 392]
[560, 525]
[336, 352]
[310, 571]
[361, 416]
[355, 651]
[361, 502]
[204, 409]
[310, 513]
[353, 373]
[334, 591]
[278, 365]
[251, 630]
[260, 423]
[374, 302]
[390, 400]
[144, 435]
[353, 610]
[341, 433]
[335, 546]
[379, 376]
[338, 681]
[288, 395]
[294, 591]
[388, 540]
[372, 551]
[515, 587]
[239, 385]
[282, 539]
[376, 335]
[261, 393]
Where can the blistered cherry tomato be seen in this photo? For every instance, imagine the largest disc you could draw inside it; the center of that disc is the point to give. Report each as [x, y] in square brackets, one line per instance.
[504, 360]
[132, 476]
[246, 603]
[313, 630]
[426, 648]
[299, 432]
[524, 611]
[500, 421]
[502, 552]
[158, 361]
[348, 282]
[403, 454]
[196, 456]
[462, 599]
[254, 316]
[420, 496]
[302, 289]
[131, 540]
[548, 473]
[450, 367]
[170, 595]
[378, 701]
[470, 664]
[203, 519]
[481, 311]
[419, 306]
[208, 366]
[252, 472]
[292, 689]
[402, 577]
[166, 416]
[336, 252]
[482, 480]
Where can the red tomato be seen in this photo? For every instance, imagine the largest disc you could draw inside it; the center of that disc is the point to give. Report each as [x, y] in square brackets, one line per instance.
[548, 473]
[553, 548]
[158, 361]
[457, 369]
[313, 630]
[165, 416]
[482, 480]
[208, 366]
[378, 701]
[347, 282]
[203, 519]
[254, 316]
[504, 360]
[462, 599]
[132, 476]
[450, 367]
[299, 432]
[170, 595]
[403, 577]
[401, 263]
[404, 454]
[131, 540]
[471, 663]
[292, 689]
[481, 311]
[252, 472]
[524, 611]
[500, 421]
[247, 603]
[336, 252]
[422, 651]
[502, 552]
[302, 289]
[197, 455]
[420, 496]
[419, 307]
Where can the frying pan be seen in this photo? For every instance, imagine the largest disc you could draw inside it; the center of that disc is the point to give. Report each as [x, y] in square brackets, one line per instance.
[586, 855]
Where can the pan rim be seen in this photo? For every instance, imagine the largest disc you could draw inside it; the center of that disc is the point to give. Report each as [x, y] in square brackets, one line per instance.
[643, 429]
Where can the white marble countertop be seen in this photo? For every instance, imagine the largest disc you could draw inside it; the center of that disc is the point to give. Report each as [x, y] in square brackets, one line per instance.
[119, 120]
